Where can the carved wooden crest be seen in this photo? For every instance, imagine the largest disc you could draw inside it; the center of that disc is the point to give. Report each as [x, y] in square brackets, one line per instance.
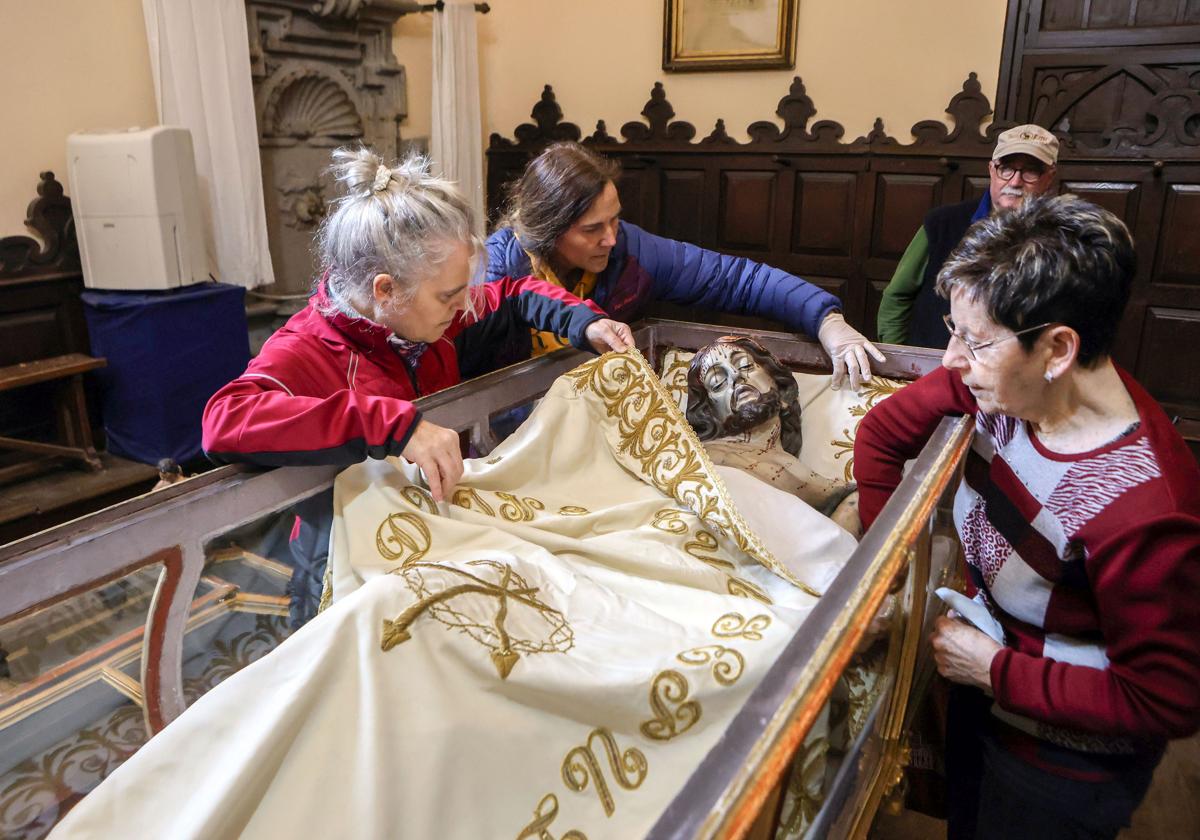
[49, 216]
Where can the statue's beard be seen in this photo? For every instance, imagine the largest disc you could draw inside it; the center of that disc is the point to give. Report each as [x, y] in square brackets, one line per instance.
[752, 413]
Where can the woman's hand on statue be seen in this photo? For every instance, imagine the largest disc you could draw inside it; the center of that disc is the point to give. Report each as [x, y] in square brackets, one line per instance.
[436, 451]
[962, 653]
[605, 334]
[848, 349]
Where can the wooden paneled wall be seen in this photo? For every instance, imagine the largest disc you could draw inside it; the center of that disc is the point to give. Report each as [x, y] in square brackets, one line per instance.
[840, 213]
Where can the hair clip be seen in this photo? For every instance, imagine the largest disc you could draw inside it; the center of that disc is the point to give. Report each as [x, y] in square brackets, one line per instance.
[382, 176]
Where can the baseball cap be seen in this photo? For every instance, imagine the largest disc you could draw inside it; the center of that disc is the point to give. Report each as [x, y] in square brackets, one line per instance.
[1032, 140]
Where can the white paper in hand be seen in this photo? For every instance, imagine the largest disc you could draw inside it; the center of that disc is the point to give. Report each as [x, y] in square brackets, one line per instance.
[973, 612]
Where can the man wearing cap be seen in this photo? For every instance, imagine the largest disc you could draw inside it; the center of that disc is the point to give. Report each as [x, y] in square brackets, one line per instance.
[1022, 165]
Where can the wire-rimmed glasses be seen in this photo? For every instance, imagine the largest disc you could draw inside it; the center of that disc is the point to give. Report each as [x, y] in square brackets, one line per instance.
[974, 347]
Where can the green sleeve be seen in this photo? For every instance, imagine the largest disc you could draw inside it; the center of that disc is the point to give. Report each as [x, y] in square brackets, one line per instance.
[895, 308]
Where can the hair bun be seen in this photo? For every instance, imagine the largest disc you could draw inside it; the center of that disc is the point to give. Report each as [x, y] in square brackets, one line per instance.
[355, 169]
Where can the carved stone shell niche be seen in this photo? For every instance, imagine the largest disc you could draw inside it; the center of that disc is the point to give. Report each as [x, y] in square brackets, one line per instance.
[324, 76]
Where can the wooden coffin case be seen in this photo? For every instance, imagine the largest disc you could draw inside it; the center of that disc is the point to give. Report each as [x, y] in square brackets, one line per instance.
[738, 790]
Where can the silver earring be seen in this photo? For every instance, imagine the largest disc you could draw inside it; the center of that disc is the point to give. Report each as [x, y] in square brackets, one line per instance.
[1049, 376]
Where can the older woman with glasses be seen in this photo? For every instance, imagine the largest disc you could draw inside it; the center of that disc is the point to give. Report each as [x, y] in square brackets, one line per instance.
[1079, 516]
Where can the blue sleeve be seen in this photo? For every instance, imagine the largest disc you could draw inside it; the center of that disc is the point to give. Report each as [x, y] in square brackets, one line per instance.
[690, 275]
[505, 257]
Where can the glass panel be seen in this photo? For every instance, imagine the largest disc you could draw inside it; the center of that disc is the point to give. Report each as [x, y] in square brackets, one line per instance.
[264, 580]
[44, 641]
[70, 700]
[831, 778]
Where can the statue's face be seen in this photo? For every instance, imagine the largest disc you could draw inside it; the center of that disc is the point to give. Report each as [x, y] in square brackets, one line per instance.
[735, 382]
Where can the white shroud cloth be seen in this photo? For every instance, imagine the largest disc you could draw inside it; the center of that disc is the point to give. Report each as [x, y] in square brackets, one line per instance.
[556, 650]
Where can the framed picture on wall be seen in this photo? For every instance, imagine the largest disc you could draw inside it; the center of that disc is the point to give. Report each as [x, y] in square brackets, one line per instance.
[729, 34]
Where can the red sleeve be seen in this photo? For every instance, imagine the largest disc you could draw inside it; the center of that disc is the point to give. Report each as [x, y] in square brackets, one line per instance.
[276, 413]
[896, 429]
[1147, 586]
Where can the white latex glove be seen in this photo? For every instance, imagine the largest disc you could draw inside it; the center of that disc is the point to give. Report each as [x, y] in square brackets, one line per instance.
[848, 349]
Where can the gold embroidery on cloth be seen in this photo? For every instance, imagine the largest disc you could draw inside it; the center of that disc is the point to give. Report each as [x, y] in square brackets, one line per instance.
[806, 790]
[674, 714]
[420, 498]
[704, 541]
[573, 510]
[326, 588]
[742, 588]
[674, 376]
[581, 766]
[727, 663]
[465, 497]
[544, 814]
[845, 447]
[516, 509]
[875, 389]
[511, 591]
[655, 436]
[403, 537]
[669, 520]
[737, 626]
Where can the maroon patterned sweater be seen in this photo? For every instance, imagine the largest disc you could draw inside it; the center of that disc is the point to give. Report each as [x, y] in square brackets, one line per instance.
[1090, 562]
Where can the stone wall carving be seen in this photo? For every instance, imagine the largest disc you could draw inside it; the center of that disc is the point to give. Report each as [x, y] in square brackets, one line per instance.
[324, 76]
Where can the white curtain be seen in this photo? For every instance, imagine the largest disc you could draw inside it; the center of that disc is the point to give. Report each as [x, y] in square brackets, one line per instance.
[457, 141]
[200, 55]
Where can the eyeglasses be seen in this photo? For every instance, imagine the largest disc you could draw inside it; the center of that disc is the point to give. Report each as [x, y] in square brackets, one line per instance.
[1029, 176]
[973, 348]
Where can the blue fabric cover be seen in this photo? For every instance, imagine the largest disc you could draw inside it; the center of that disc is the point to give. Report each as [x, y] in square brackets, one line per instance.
[167, 352]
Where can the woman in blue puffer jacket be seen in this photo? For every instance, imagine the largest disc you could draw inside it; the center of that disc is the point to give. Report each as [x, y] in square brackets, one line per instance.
[563, 225]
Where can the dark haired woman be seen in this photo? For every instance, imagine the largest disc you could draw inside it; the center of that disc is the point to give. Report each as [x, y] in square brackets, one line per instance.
[1079, 516]
[563, 225]
[336, 384]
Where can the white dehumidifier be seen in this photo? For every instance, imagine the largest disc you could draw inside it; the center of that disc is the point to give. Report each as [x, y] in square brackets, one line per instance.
[137, 208]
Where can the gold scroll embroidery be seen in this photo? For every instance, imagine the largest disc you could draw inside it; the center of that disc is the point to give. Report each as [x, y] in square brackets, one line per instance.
[669, 520]
[737, 626]
[742, 588]
[466, 496]
[727, 663]
[513, 509]
[544, 814]
[516, 509]
[420, 499]
[704, 541]
[573, 510]
[403, 537]
[674, 714]
[581, 765]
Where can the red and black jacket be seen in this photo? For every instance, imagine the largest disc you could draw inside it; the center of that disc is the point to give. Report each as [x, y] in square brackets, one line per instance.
[330, 389]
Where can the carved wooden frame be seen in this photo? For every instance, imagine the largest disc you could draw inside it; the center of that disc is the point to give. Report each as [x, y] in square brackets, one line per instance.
[676, 60]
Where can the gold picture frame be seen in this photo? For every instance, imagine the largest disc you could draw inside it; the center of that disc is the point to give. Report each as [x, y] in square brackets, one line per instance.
[729, 35]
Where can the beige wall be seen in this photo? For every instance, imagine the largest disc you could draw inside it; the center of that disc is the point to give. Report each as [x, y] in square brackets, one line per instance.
[66, 65]
[859, 59]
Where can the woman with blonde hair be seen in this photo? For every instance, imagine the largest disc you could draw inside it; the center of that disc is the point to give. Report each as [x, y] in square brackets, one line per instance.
[399, 294]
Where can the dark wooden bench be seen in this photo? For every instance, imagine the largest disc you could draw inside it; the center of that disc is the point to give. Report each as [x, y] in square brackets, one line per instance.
[70, 410]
